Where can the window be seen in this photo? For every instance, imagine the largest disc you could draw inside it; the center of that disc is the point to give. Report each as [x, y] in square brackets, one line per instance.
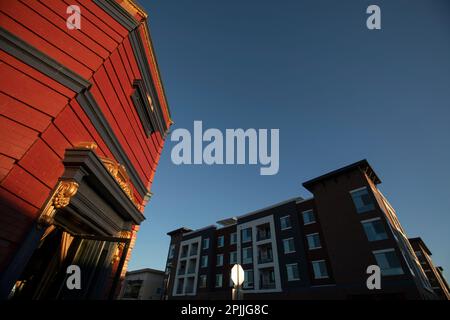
[288, 245]
[265, 254]
[184, 251]
[182, 267]
[205, 243]
[419, 254]
[233, 257]
[388, 262]
[191, 266]
[194, 249]
[248, 279]
[320, 269]
[219, 280]
[219, 261]
[247, 235]
[180, 286]
[292, 272]
[202, 280]
[247, 255]
[132, 289]
[220, 241]
[374, 229]
[308, 217]
[267, 278]
[204, 262]
[363, 200]
[285, 222]
[313, 241]
[263, 232]
[233, 238]
[171, 251]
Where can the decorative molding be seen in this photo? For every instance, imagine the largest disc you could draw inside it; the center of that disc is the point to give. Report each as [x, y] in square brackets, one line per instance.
[40, 61]
[48, 66]
[119, 173]
[118, 13]
[90, 106]
[144, 68]
[59, 199]
[84, 166]
[127, 20]
[144, 106]
[86, 145]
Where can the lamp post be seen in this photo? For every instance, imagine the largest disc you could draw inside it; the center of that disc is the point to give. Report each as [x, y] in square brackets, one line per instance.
[238, 277]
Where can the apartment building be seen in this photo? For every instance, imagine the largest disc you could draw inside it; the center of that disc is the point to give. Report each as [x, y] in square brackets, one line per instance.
[316, 248]
[142, 284]
[433, 273]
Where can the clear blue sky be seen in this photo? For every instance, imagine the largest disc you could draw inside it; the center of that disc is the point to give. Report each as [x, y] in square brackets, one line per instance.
[337, 91]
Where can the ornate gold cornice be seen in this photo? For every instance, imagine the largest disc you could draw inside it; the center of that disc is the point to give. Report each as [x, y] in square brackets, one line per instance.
[60, 198]
[119, 174]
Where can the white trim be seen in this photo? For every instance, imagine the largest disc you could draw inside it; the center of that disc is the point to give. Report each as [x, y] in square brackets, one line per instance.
[287, 252]
[322, 277]
[370, 220]
[185, 276]
[256, 267]
[217, 256]
[383, 250]
[312, 234]
[287, 273]
[359, 189]
[223, 241]
[303, 217]
[290, 222]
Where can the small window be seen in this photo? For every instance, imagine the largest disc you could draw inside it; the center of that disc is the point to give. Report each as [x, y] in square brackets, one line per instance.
[247, 235]
[233, 257]
[313, 241]
[285, 222]
[220, 242]
[247, 254]
[248, 279]
[233, 238]
[374, 229]
[288, 245]
[308, 217]
[388, 262]
[320, 269]
[204, 262]
[219, 260]
[184, 251]
[194, 249]
[171, 251]
[292, 272]
[205, 243]
[202, 281]
[219, 280]
[363, 200]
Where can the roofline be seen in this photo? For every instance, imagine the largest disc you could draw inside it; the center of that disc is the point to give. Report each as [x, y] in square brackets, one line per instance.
[421, 242]
[201, 229]
[182, 230]
[295, 199]
[150, 270]
[362, 165]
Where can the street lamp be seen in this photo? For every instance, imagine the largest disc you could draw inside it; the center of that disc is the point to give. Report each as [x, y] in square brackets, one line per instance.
[238, 277]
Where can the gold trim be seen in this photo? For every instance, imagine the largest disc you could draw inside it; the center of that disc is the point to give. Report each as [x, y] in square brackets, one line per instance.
[59, 199]
[119, 173]
[86, 145]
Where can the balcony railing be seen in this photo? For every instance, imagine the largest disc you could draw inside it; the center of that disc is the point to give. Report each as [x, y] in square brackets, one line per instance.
[267, 285]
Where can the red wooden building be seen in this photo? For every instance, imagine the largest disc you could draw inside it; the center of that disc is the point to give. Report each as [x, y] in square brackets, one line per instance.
[83, 118]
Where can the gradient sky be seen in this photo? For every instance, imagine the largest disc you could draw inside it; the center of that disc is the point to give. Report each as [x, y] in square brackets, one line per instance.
[337, 91]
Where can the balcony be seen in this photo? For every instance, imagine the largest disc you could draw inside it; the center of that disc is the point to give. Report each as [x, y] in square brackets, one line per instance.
[267, 279]
[265, 253]
[263, 232]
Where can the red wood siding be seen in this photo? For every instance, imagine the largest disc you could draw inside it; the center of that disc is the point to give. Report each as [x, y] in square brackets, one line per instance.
[40, 118]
